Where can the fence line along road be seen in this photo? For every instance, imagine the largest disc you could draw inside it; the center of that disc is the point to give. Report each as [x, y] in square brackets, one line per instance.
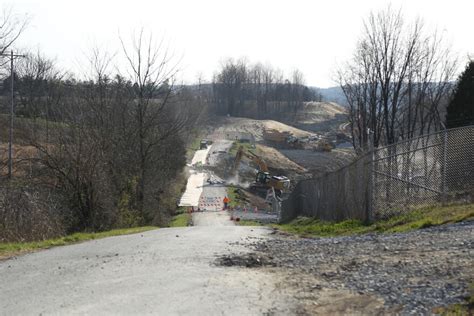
[431, 169]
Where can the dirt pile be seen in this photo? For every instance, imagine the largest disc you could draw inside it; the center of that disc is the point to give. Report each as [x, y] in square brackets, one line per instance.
[255, 128]
[276, 160]
[315, 112]
[248, 260]
[319, 163]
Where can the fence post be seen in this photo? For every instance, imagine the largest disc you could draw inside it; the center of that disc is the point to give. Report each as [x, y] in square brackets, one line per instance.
[370, 186]
[444, 173]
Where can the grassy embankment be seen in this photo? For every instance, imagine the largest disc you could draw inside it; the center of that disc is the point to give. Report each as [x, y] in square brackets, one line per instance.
[181, 219]
[193, 147]
[417, 219]
[248, 223]
[10, 249]
[235, 198]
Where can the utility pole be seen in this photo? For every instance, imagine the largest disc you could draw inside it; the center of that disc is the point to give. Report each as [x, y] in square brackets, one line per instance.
[12, 113]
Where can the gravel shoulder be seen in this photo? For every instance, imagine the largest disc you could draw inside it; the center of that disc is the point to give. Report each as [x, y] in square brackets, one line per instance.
[405, 273]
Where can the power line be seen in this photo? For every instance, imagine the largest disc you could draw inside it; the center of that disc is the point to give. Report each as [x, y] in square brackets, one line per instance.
[12, 112]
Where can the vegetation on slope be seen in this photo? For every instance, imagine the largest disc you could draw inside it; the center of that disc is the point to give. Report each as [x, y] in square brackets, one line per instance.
[181, 220]
[10, 249]
[417, 219]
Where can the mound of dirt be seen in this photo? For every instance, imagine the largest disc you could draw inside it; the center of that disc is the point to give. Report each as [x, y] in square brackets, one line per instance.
[255, 128]
[319, 163]
[248, 260]
[276, 160]
[314, 112]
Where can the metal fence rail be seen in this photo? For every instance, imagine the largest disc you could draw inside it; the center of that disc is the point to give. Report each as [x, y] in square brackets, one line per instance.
[392, 180]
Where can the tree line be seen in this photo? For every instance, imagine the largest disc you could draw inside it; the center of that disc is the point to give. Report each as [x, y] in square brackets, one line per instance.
[256, 90]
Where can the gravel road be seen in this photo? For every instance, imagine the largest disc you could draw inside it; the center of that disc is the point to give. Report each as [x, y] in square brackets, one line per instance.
[406, 273]
[169, 271]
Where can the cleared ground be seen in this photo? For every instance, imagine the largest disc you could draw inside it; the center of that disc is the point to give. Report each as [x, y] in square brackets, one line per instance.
[318, 162]
[227, 126]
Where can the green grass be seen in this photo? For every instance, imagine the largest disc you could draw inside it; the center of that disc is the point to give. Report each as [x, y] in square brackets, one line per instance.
[465, 308]
[304, 226]
[248, 223]
[195, 143]
[234, 196]
[9, 249]
[417, 219]
[247, 147]
[181, 220]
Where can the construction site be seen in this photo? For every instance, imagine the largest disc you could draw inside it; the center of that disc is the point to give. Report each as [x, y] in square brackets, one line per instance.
[258, 162]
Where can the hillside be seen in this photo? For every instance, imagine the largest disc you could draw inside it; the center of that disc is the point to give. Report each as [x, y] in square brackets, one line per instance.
[255, 128]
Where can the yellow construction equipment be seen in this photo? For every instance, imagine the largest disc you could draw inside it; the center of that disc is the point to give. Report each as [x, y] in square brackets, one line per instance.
[263, 180]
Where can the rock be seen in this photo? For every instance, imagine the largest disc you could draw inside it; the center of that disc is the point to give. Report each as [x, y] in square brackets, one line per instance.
[406, 280]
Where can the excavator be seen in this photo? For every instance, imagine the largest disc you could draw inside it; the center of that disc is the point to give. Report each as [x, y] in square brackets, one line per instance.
[263, 180]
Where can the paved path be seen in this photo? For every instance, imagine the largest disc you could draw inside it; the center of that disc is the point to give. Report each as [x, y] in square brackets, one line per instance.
[168, 271]
[196, 179]
[219, 218]
[212, 195]
[193, 191]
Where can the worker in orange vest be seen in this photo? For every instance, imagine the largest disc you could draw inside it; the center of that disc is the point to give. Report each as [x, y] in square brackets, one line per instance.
[226, 202]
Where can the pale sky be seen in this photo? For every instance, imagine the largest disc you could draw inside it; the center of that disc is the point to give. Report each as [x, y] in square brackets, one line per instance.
[312, 36]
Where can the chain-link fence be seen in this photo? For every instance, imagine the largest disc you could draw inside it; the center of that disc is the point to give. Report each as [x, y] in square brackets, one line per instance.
[434, 168]
[431, 169]
[333, 197]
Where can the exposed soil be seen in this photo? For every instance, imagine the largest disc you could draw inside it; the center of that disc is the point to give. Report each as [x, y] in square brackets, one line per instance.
[226, 126]
[319, 117]
[248, 260]
[278, 161]
[318, 162]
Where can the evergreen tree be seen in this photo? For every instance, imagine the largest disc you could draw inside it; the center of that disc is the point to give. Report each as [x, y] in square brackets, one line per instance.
[460, 110]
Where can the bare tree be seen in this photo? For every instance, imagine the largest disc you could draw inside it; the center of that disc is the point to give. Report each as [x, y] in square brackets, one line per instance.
[11, 27]
[297, 90]
[38, 86]
[229, 86]
[152, 69]
[396, 80]
[257, 90]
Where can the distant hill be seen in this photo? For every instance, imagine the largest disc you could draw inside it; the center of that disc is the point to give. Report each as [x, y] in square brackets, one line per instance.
[332, 94]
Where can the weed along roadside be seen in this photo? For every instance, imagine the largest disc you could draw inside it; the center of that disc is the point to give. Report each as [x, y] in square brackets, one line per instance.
[8, 250]
[417, 219]
[181, 220]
